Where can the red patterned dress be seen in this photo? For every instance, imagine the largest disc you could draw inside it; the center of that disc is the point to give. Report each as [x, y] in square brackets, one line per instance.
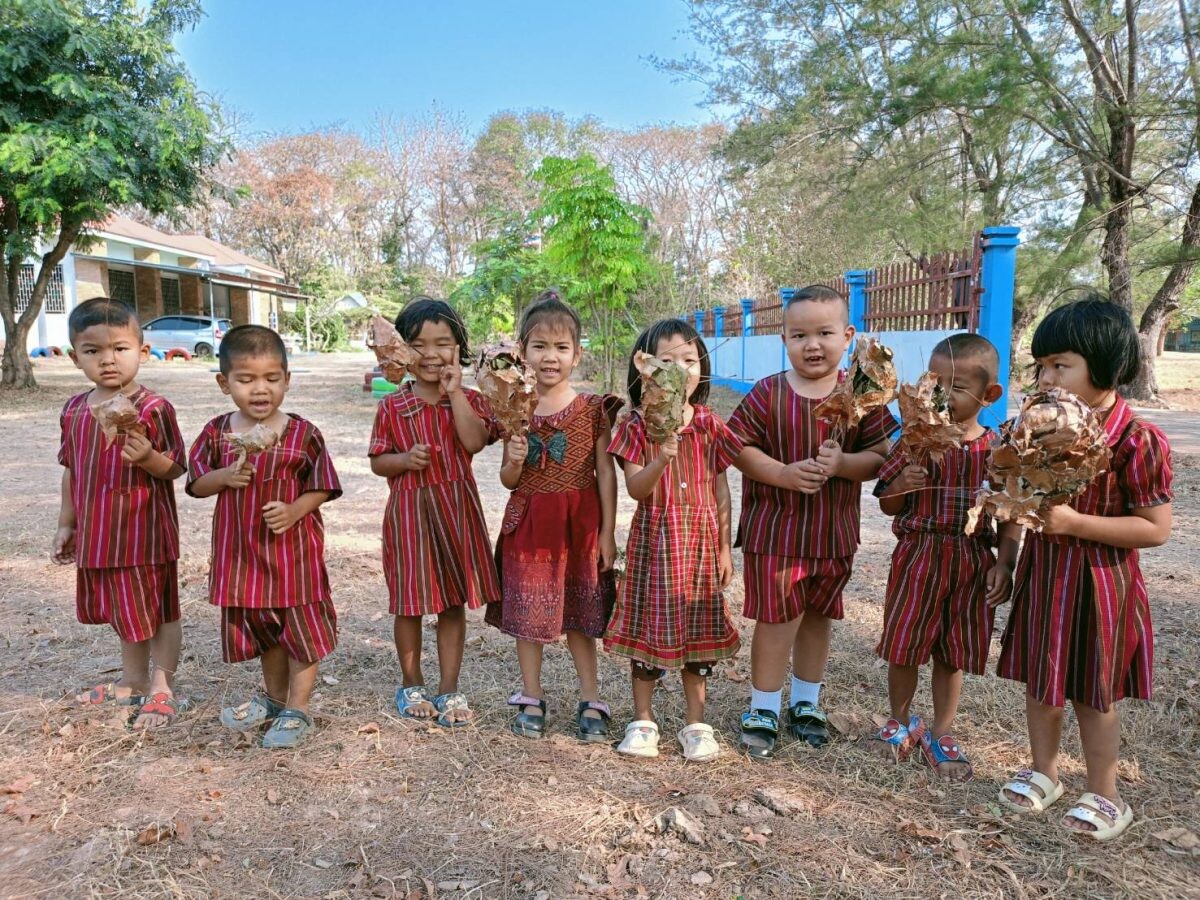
[670, 610]
[436, 550]
[1080, 628]
[549, 545]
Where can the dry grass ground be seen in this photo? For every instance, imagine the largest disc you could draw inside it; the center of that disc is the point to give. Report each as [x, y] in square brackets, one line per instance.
[376, 806]
[1179, 379]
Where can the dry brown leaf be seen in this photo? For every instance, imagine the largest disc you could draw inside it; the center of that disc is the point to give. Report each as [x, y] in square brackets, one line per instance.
[19, 785]
[369, 728]
[663, 387]
[509, 385]
[750, 836]
[926, 431]
[870, 383]
[154, 833]
[1181, 839]
[1048, 454]
[248, 443]
[392, 353]
[19, 811]
[116, 416]
[917, 830]
[959, 849]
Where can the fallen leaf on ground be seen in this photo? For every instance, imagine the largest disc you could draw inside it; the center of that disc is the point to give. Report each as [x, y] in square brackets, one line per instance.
[1180, 838]
[702, 878]
[369, 728]
[750, 836]
[684, 823]
[19, 785]
[19, 811]
[915, 829]
[959, 848]
[154, 833]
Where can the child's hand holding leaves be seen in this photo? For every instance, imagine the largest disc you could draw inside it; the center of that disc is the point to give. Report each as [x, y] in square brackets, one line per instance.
[137, 449]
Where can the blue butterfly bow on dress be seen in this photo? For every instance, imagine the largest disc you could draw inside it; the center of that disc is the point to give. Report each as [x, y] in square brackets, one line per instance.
[555, 448]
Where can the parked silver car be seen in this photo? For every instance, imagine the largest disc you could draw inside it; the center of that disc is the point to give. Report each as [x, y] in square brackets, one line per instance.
[199, 335]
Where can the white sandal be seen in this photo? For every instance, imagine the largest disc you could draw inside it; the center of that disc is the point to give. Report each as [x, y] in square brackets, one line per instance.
[699, 743]
[1102, 814]
[1039, 790]
[641, 739]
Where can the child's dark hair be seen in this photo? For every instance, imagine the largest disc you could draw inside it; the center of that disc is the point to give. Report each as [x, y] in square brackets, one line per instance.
[422, 309]
[102, 311]
[549, 309]
[818, 293]
[648, 342]
[1099, 331]
[250, 340]
[970, 348]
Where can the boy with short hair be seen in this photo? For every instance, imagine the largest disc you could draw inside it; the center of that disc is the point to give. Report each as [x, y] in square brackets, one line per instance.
[117, 519]
[944, 584]
[799, 525]
[267, 571]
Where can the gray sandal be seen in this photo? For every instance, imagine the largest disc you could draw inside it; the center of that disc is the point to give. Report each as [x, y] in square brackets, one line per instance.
[448, 703]
[288, 730]
[250, 715]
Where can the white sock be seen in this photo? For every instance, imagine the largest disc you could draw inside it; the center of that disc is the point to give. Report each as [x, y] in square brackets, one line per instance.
[772, 700]
[809, 691]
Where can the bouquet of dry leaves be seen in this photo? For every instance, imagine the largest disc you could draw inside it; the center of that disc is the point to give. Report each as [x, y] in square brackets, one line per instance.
[869, 384]
[509, 385]
[664, 386]
[1047, 455]
[116, 416]
[926, 431]
[393, 354]
[248, 443]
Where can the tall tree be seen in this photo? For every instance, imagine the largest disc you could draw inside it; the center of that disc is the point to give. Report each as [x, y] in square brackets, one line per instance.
[96, 111]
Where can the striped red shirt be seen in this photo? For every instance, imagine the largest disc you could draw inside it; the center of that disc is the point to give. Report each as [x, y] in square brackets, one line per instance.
[251, 566]
[124, 516]
[779, 522]
[941, 506]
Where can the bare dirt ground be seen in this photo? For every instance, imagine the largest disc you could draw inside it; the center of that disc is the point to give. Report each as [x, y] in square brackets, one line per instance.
[377, 806]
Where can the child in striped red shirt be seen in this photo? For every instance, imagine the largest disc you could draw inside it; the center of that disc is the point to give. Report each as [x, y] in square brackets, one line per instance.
[437, 557]
[117, 519]
[799, 523]
[1080, 625]
[267, 571]
[944, 584]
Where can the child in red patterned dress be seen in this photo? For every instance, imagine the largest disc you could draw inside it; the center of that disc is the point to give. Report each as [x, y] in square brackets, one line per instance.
[437, 557]
[944, 584]
[670, 611]
[557, 545]
[267, 571]
[117, 521]
[1080, 626]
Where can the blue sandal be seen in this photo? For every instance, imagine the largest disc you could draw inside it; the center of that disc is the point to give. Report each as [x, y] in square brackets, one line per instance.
[408, 697]
[524, 724]
[760, 733]
[945, 749]
[450, 702]
[903, 739]
[288, 730]
[808, 722]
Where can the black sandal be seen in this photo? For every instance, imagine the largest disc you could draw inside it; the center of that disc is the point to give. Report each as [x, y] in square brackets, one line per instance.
[524, 724]
[760, 733]
[807, 722]
[590, 727]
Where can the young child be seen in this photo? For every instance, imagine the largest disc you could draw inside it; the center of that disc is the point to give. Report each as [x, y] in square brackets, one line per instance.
[437, 557]
[943, 584]
[557, 545]
[799, 523]
[267, 571]
[670, 612]
[1080, 627]
[117, 520]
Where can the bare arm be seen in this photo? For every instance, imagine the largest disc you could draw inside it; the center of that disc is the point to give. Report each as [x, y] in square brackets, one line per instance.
[512, 464]
[724, 512]
[861, 466]
[388, 465]
[755, 464]
[893, 499]
[606, 479]
[1147, 526]
[140, 452]
[217, 480]
[640, 481]
[63, 550]
[471, 430]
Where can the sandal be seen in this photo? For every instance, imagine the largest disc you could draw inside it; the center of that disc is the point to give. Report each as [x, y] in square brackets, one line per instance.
[452, 701]
[903, 739]
[526, 724]
[249, 715]
[760, 733]
[641, 739]
[288, 730]
[1041, 792]
[590, 727]
[699, 743]
[160, 704]
[1108, 822]
[107, 693]
[946, 750]
[808, 722]
[413, 695]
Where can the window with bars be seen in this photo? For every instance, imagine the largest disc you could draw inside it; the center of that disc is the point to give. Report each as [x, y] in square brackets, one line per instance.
[55, 300]
[120, 287]
[170, 296]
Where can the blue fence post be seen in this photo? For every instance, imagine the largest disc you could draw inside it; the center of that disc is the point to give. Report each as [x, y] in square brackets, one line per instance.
[785, 296]
[699, 314]
[719, 322]
[747, 325]
[998, 277]
[856, 281]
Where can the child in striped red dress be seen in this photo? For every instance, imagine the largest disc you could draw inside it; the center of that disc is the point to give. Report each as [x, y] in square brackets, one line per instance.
[437, 557]
[670, 611]
[944, 584]
[1080, 627]
[799, 523]
[267, 571]
[117, 520]
[557, 545]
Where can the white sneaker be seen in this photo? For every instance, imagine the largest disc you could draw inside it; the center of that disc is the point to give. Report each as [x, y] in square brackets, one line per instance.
[641, 739]
[698, 742]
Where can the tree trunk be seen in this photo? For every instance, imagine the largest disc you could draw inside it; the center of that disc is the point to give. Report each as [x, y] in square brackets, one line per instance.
[1144, 387]
[1162, 342]
[1114, 254]
[18, 368]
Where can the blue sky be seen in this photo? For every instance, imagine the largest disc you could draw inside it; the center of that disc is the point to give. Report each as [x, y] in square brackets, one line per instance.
[308, 64]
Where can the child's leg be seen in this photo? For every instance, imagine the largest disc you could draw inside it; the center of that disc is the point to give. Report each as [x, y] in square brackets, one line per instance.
[301, 677]
[947, 688]
[583, 652]
[1045, 734]
[902, 687]
[451, 640]
[694, 695]
[274, 663]
[164, 650]
[643, 695]
[529, 658]
[1100, 734]
[810, 648]
[135, 667]
[769, 653]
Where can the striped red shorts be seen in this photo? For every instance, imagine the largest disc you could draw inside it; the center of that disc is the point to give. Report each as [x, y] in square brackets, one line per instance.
[782, 588]
[936, 603]
[134, 600]
[308, 633]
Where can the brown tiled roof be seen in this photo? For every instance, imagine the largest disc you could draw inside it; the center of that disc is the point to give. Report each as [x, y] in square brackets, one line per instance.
[187, 244]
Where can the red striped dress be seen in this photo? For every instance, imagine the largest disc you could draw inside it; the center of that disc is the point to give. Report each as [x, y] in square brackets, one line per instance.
[272, 588]
[670, 610]
[936, 593]
[127, 532]
[548, 551]
[1080, 627]
[798, 547]
[436, 550]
